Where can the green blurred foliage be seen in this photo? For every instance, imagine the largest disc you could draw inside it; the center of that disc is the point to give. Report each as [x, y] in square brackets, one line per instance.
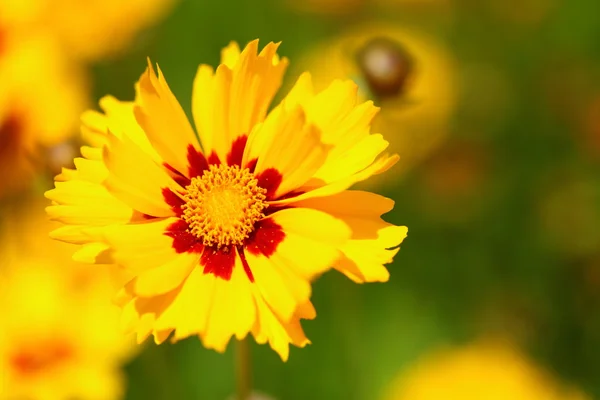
[516, 254]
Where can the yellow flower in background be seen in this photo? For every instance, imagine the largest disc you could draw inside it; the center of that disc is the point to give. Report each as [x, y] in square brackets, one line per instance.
[480, 371]
[407, 74]
[59, 333]
[41, 99]
[221, 236]
[90, 29]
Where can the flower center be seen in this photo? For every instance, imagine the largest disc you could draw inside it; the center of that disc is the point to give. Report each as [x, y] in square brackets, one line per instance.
[222, 206]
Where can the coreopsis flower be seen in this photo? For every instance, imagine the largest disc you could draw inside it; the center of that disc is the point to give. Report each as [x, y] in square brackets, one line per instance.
[39, 107]
[409, 75]
[480, 371]
[222, 235]
[59, 336]
[90, 29]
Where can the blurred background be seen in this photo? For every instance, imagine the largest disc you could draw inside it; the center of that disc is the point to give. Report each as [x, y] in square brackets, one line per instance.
[494, 108]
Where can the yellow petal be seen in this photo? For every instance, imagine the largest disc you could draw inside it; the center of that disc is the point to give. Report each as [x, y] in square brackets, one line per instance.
[229, 103]
[160, 115]
[232, 311]
[118, 119]
[141, 246]
[272, 287]
[374, 242]
[305, 250]
[279, 334]
[136, 179]
[85, 203]
[230, 55]
[294, 148]
[188, 313]
[165, 277]
[380, 165]
[345, 126]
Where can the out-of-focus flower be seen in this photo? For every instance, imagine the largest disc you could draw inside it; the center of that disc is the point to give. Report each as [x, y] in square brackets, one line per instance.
[41, 98]
[222, 236]
[90, 29]
[481, 371]
[409, 76]
[59, 333]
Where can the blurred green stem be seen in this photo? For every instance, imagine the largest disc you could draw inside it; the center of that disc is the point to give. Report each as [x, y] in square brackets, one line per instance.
[243, 370]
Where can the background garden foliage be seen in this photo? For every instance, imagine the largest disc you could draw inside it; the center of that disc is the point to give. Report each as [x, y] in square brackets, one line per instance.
[499, 124]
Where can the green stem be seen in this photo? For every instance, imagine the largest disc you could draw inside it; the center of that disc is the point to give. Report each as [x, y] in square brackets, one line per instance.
[243, 370]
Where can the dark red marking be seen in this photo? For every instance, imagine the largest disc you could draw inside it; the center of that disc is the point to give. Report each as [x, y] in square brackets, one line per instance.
[173, 201]
[183, 240]
[247, 269]
[237, 151]
[40, 357]
[266, 237]
[270, 179]
[10, 135]
[251, 165]
[177, 176]
[213, 159]
[219, 262]
[197, 162]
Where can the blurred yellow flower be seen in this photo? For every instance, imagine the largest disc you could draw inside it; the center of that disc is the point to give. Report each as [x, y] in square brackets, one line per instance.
[41, 98]
[480, 371]
[222, 236]
[90, 29]
[408, 75]
[59, 334]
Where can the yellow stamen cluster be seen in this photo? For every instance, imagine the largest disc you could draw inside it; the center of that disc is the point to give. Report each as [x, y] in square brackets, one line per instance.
[222, 206]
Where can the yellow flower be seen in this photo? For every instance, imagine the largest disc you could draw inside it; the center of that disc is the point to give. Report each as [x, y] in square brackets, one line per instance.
[41, 98]
[89, 29]
[480, 371]
[221, 236]
[407, 74]
[59, 335]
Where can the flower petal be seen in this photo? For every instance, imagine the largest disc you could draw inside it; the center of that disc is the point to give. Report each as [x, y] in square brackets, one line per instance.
[165, 277]
[136, 179]
[118, 119]
[188, 314]
[374, 242]
[232, 312]
[160, 115]
[345, 126]
[229, 103]
[142, 246]
[380, 165]
[305, 250]
[279, 334]
[289, 146]
[272, 287]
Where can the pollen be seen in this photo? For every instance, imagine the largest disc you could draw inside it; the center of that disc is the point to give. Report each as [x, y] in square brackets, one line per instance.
[222, 206]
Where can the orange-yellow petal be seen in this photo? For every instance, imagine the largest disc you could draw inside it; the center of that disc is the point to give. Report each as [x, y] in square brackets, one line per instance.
[230, 102]
[373, 243]
[165, 277]
[160, 115]
[136, 179]
[139, 247]
[290, 146]
[232, 310]
[305, 250]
